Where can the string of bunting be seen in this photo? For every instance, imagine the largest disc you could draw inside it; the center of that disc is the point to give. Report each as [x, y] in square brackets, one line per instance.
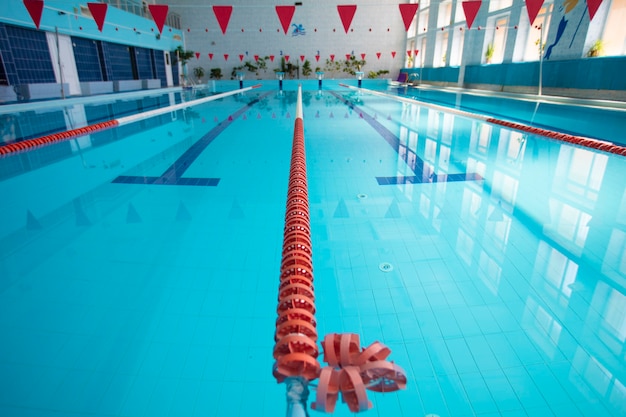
[285, 13]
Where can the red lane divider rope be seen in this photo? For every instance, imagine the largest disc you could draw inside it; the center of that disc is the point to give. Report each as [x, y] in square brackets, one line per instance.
[295, 350]
[350, 371]
[577, 140]
[56, 137]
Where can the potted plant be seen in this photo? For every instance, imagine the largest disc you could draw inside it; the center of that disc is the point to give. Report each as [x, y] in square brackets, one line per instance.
[216, 73]
[597, 49]
[198, 72]
[489, 53]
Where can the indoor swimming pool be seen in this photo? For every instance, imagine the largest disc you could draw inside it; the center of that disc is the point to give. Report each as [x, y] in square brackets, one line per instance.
[139, 265]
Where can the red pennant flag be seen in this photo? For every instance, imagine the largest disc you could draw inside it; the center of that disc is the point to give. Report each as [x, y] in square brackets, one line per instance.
[408, 53]
[241, 57]
[211, 56]
[256, 58]
[301, 58]
[346, 13]
[363, 57]
[347, 57]
[393, 54]
[35, 8]
[285, 14]
[317, 58]
[225, 57]
[408, 13]
[593, 6]
[471, 10]
[533, 7]
[159, 14]
[286, 58]
[332, 58]
[416, 51]
[272, 58]
[378, 55]
[99, 12]
[222, 14]
[197, 55]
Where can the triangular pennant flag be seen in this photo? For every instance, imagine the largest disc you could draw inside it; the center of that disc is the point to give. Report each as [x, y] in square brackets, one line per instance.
[31, 221]
[393, 212]
[286, 58]
[533, 7]
[159, 14]
[393, 54]
[415, 52]
[593, 6]
[409, 53]
[35, 9]
[222, 14]
[341, 210]
[256, 58]
[197, 55]
[99, 12]
[285, 14]
[471, 10]
[408, 12]
[272, 58]
[131, 215]
[317, 58]
[211, 56]
[225, 57]
[363, 57]
[241, 57]
[346, 13]
[378, 55]
[332, 58]
[348, 57]
[301, 58]
[182, 214]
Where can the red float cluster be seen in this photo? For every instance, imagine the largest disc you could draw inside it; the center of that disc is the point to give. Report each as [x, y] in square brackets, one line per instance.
[577, 140]
[351, 371]
[56, 137]
[296, 349]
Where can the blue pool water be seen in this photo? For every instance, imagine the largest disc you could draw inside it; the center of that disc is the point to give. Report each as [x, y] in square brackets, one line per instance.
[139, 266]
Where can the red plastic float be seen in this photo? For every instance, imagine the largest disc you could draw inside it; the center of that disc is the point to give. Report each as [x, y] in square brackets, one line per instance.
[581, 141]
[55, 137]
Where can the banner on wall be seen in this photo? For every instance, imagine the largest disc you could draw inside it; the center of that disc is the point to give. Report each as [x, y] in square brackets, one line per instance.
[159, 14]
[35, 9]
[222, 14]
[346, 13]
[408, 13]
[99, 12]
[285, 14]
[470, 8]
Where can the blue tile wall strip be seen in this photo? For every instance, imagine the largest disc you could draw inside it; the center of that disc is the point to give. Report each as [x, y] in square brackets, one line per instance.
[87, 59]
[118, 61]
[174, 174]
[144, 63]
[27, 56]
[417, 164]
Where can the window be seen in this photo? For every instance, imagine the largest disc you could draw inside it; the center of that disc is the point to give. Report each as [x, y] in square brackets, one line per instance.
[614, 36]
[498, 27]
[456, 50]
[441, 49]
[528, 40]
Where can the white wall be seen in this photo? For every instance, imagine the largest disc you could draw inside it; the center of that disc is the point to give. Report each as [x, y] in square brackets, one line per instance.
[376, 27]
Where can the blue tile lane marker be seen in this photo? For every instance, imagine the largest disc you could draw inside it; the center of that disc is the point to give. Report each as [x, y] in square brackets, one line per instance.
[416, 166]
[174, 174]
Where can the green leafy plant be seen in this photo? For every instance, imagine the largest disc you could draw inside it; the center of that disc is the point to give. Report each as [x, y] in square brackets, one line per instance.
[216, 73]
[182, 55]
[198, 72]
[376, 74]
[489, 53]
[306, 68]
